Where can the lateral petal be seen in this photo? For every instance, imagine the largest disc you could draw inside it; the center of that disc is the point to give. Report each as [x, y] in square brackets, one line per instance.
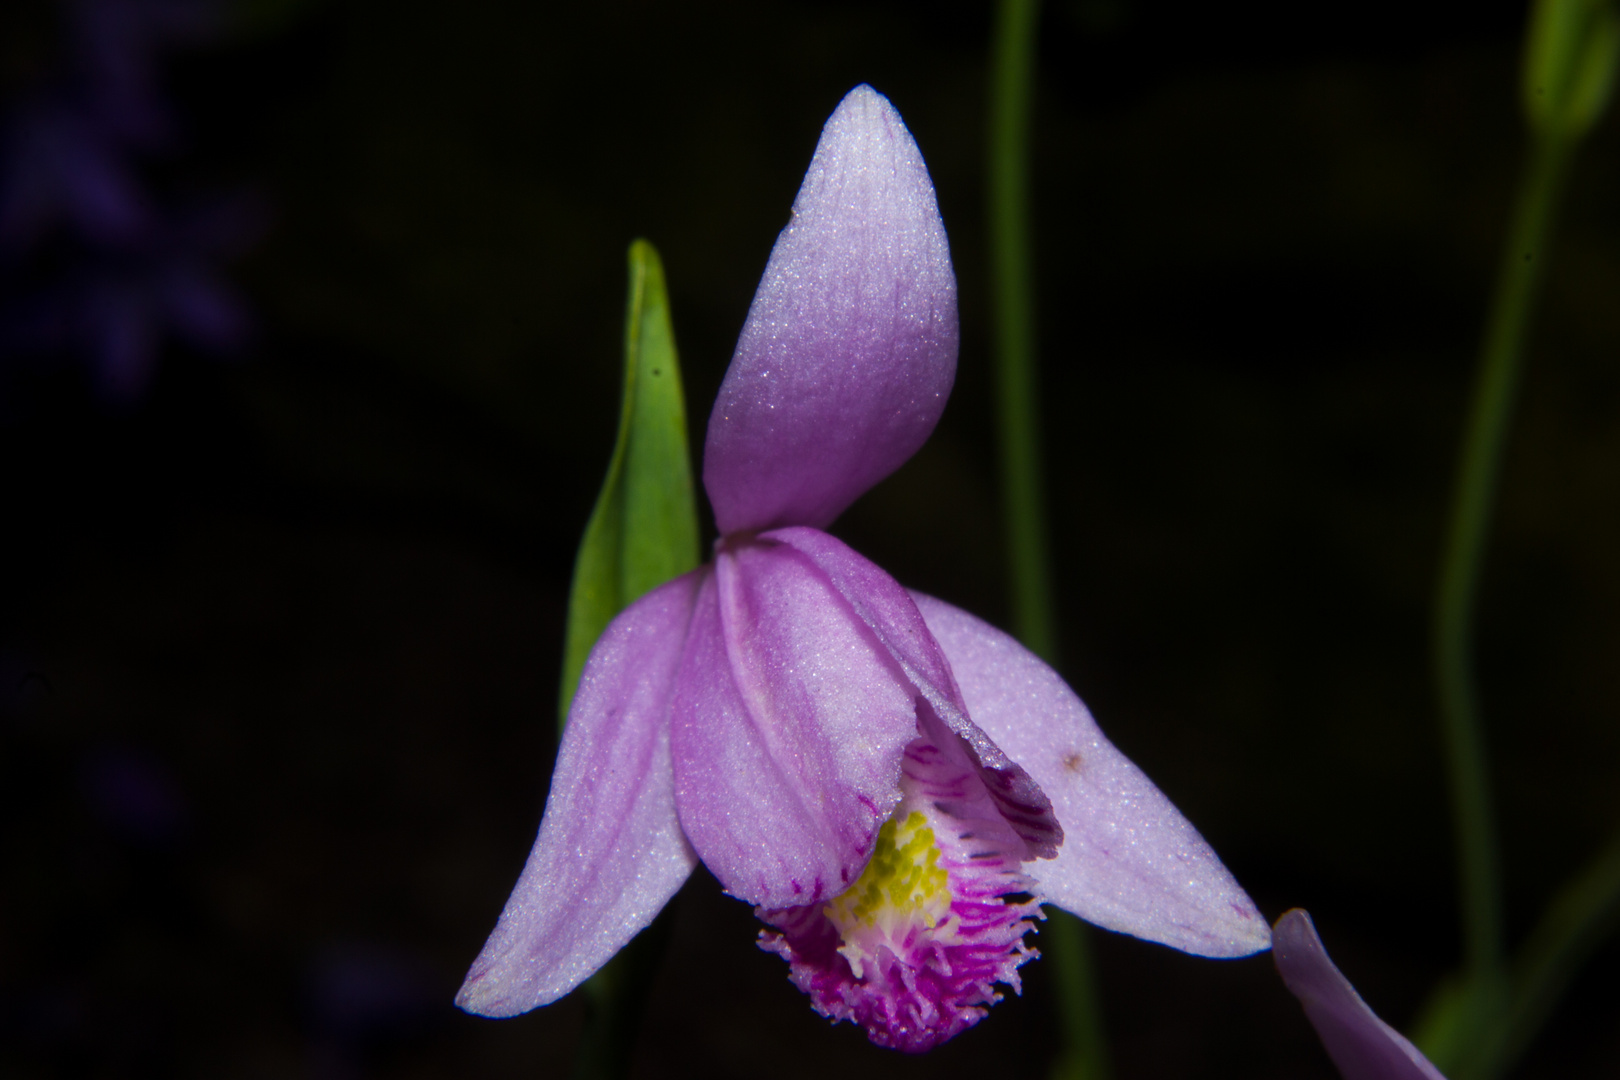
[1130, 861]
[890, 613]
[849, 351]
[788, 729]
[610, 852]
[1360, 1044]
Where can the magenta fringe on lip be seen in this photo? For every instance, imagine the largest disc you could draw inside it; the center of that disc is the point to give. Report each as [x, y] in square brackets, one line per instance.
[919, 984]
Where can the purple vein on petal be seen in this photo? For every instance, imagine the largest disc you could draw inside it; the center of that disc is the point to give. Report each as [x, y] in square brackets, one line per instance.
[789, 725]
[893, 617]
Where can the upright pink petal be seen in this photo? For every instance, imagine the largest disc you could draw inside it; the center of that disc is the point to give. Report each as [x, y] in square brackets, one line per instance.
[849, 350]
[788, 729]
[1129, 862]
[610, 852]
[1360, 1044]
[889, 612]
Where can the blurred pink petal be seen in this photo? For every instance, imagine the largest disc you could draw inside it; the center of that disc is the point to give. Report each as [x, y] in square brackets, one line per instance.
[1361, 1045]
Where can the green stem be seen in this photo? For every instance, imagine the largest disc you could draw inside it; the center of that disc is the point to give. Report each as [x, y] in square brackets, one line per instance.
[1084, 1055]
[1085, 1050]
[1011, 79]
[1500, 363]
[616, 1000]
[1575, 923]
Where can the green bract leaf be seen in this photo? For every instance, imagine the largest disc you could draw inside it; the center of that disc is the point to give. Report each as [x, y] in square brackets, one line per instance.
[1569, 64]
[644, 530]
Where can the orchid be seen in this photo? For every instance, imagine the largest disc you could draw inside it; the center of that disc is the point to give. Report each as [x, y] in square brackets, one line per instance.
[892, 783]
[1360, 1044]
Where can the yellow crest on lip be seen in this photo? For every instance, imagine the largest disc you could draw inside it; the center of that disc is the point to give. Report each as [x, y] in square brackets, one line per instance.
[903, 881]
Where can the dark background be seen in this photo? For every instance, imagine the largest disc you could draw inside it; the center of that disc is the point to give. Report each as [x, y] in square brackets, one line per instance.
[281, 636]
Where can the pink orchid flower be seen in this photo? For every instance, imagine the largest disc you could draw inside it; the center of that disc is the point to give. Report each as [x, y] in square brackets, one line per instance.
[887, 779]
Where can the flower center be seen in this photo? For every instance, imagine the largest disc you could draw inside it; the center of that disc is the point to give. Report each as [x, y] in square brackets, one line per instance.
[914, 949]
[902, 891]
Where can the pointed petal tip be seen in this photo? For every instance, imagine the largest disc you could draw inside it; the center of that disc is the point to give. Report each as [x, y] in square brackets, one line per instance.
[1300, 956]
[1224, 926]
[497, 986]
[482, 997]
[1242, 933]
[1230, 927]
[505, 981]
[864, 108]
[849, 351]
[1294, 927]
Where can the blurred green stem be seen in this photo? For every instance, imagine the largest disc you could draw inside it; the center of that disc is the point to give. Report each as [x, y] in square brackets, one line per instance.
[1084, 1055]
[616, 1000]
[1573, 926]
[1067, 947]
[1500, 364]
[1011, 78]
[1474, 1025]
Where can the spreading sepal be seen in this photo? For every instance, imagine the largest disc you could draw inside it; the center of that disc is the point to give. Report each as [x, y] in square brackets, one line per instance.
[610, 852]
[1130, 861]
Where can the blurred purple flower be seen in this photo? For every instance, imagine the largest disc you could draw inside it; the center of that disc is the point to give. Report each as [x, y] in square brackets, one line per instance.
[884, 777]
[117, 46]
[1360, 1044]
[62, 170]
[92, 263]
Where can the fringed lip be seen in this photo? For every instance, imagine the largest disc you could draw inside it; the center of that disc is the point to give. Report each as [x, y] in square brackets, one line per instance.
[914, 951]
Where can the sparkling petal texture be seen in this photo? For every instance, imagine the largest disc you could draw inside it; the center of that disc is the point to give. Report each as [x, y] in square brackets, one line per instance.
[1361, 1045]
[788, 727]
[913, 959]
[1130, 862]
[886, 778]
[891, 614]
[849, 351]
[610, 852]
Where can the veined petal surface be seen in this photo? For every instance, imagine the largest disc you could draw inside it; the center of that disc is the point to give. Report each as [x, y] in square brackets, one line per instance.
[788, 729]
[890, 613]
[1130, 861]
[849, 350]
[1360, 1044]
[610, 852]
